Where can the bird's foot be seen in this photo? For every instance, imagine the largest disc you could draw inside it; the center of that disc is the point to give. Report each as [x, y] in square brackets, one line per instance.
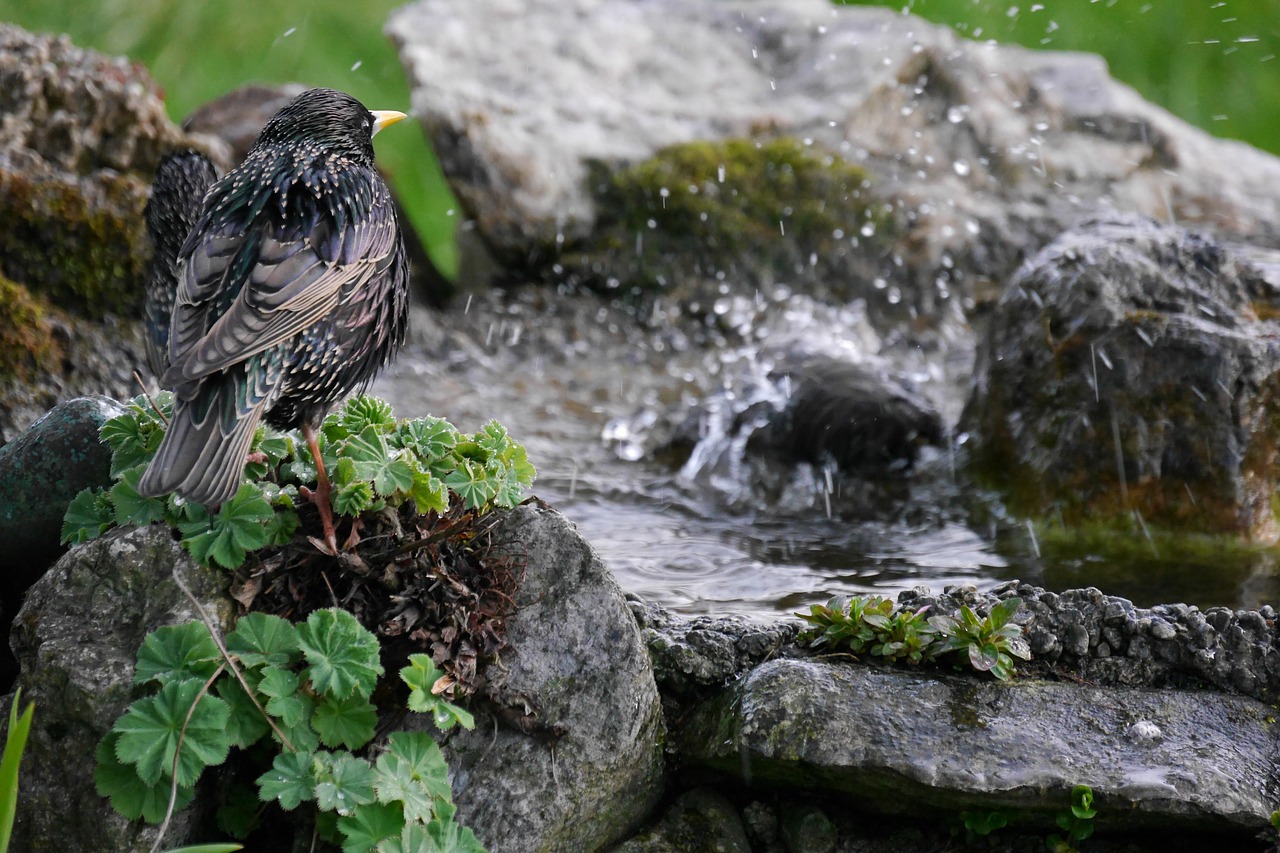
[329, 545]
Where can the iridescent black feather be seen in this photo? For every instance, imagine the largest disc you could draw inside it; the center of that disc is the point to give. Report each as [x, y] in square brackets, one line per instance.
[177, 193]
[292, 292]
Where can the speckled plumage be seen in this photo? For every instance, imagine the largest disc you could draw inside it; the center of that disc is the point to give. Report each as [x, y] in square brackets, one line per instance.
[292, 292]
[177, 194]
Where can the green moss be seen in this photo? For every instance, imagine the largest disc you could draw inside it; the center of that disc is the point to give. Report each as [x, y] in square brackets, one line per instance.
[742, 210]
[26, 345]
[1133, 545]
[80, 244]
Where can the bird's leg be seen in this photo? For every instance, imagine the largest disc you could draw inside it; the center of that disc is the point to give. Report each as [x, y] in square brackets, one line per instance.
[321, 496]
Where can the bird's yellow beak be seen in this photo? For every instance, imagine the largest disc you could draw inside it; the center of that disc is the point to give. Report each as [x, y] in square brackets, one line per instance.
[383, 118]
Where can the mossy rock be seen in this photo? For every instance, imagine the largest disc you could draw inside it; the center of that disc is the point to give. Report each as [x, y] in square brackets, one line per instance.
[750, 212]
[77, 241]
[27, 346]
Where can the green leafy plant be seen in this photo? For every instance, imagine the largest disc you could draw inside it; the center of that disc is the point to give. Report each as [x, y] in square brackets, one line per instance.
[374, 462]
[1076, 822]
[990, 643]
[873, 625]
[855, 624]
[10, 759]
[304, 692]
[978, 825]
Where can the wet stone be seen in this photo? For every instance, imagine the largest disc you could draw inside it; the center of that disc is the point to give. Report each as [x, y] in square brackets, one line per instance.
[798, 724]
[1181, 400]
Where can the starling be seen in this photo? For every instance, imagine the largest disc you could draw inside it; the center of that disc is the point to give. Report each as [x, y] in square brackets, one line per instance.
[182, 179]
[292, 291]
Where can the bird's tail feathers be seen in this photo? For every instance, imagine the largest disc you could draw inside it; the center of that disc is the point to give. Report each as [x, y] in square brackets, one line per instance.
[202, 459]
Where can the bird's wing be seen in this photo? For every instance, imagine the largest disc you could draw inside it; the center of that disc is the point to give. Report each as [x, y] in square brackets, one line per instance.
[291, 280]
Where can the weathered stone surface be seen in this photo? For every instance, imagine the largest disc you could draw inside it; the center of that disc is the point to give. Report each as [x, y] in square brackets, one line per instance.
[976, 153]
[1127, 366]
[580, 664]
[81, 135]
[80, 138]
[1106, 640]
[691, 655]
[700, 819]
[44, 468]
[916, 743]
[76, 639]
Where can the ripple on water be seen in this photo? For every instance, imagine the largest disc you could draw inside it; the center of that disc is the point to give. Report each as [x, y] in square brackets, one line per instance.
[575, 370]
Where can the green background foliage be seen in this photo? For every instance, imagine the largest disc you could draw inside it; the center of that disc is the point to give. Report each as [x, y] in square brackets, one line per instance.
[1212, 63]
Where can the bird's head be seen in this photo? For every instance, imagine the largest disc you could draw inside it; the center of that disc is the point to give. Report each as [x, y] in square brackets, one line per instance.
[330, 119]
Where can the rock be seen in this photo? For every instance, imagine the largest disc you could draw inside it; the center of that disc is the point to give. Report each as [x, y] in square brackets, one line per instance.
[82, 134]
[946, 160]
[1107, 641]
[1127, 366]
[44, 468]
[81, 137]
[860, 420]
[581, 666]
[691, 655]
[76, 639]
[906, 742]
[701, 819]
[580, 782]
[807, 829]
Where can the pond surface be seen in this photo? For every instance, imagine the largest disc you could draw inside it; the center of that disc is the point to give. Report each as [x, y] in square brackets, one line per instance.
[583, 386]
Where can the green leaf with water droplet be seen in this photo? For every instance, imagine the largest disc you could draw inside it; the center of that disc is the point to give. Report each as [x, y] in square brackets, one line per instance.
[291, 780]
[343, 782]
[150, 732]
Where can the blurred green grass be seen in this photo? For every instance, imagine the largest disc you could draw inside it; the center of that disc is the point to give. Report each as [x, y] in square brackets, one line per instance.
[1213, 62]
[198, 51]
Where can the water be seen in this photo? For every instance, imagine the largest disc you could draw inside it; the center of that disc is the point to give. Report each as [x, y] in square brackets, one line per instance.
[592, 395]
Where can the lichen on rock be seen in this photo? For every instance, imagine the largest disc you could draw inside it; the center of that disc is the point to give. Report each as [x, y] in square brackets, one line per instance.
[26, 346]
[79, 242]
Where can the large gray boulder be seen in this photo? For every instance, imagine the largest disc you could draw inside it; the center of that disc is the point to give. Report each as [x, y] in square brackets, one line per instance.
[76, 639]
[82, 134]
[974, 154]
[587, 769]
[915, 743]
[45, 467]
